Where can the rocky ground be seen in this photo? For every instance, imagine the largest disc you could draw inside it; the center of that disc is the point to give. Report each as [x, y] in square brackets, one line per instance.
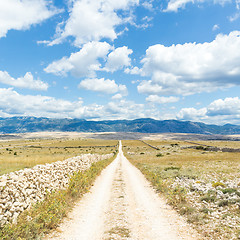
[20, 189]
[122, 205]
[218, 203]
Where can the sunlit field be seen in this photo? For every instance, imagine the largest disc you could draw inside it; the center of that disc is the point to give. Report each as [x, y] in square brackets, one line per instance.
[19, 154]
[203, 186]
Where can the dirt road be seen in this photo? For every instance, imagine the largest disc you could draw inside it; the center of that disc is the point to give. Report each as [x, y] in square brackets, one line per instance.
[123, 205]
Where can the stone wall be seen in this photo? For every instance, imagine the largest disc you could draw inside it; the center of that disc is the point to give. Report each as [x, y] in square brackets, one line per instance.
[20, 189]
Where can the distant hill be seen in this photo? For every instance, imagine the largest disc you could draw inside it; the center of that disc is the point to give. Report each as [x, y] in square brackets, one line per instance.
[144, 125]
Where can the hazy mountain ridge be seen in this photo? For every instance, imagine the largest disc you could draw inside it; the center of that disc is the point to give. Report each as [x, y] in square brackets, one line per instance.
[144, 125]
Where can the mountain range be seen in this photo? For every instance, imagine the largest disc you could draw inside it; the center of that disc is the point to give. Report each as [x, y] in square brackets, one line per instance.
[144, 125]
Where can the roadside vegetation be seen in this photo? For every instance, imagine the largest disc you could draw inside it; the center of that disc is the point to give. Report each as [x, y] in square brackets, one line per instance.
[20, 154]
[202, 186]
[46, 215]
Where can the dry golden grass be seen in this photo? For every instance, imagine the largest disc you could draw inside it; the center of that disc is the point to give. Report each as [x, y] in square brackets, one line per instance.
[221, 144]
[46, 215]
[174, 164]
[19, 154]
[191, 161]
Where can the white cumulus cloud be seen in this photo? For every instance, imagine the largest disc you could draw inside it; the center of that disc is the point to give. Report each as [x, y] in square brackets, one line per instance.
[161, 100]
[23, 82]
[21, 14]
[82, 63]
[93, 20]
[14, 104]
[227, 106]
[99, 85]
[118, 59]
[117, 96]
[103, 85]
[220, 111]
[192, 114]
[175, 5]
[91, 58]
[192, 68]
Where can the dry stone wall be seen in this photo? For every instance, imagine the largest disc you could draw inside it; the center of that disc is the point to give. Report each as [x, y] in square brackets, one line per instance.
[20, 189]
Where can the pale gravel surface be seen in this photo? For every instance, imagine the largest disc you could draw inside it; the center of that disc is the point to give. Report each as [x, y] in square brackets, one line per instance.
[123, 205]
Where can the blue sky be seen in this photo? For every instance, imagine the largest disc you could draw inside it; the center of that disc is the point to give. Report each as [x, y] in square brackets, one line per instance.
[128, 59]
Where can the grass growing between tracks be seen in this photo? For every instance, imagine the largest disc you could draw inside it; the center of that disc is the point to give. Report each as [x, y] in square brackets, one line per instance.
[46, 215]
[202, 186]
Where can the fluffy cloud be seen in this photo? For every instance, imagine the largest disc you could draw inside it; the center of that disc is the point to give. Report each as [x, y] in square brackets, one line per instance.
[21, 14]
[175, 5]
[126, 110]
[228, 106]
[118, 59]
[101, 85]
[23, 82]
[82, 63]
[192, 68]
[93, 20]
[14, 104]
[192, 114]
[133, 71]
[117, 96]
[161, 100]
[218, 112]
[148, 5]
[90, 59]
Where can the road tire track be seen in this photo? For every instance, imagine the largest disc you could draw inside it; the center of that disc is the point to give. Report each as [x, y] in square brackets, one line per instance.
[123, 205]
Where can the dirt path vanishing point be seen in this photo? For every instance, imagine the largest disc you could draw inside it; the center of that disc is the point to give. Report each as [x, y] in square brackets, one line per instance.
[122, 205]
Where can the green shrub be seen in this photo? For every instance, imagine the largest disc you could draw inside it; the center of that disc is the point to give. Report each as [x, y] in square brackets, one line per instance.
[206, 210]
[209, 197]
[223, 203]
[229, 190]
[171, 168]
[185, 209]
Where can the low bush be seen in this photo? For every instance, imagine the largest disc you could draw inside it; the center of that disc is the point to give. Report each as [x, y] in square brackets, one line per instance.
[223, 203]
[171, 168]
[209, 197]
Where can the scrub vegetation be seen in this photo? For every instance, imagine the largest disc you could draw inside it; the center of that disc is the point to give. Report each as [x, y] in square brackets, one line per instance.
[203, 186]
[20, 154]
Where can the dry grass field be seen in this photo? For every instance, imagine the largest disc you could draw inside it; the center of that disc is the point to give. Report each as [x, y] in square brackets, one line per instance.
[19, 154]
[203, 186]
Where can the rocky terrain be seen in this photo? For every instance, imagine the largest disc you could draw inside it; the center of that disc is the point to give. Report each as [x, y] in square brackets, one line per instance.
[218, 203]
[122, 205]
[20, 189]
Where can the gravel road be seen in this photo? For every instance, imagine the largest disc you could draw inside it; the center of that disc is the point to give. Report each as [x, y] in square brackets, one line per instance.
[122, 205]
